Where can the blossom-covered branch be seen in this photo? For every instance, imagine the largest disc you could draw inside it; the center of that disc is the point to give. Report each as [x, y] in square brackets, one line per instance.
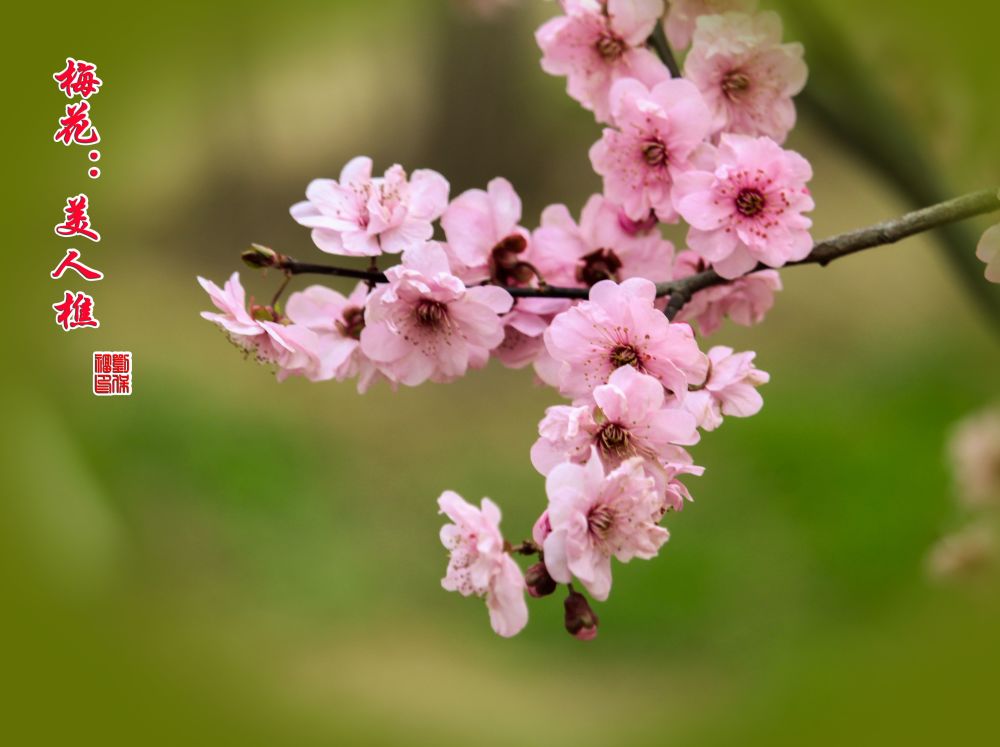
[680, 291]
[599, 303]
[824, 252]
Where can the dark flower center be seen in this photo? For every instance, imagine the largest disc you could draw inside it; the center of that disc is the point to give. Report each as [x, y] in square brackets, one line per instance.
[610, 47]
[602, 264]
[506, 267]
[600, 520]
[750, 202]
[431, 313]
[624, 355]
[655, 153]
[614, 439]
[735, 83]
[353, 323]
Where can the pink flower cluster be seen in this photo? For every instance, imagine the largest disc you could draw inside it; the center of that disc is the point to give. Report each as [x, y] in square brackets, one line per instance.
[704, 148]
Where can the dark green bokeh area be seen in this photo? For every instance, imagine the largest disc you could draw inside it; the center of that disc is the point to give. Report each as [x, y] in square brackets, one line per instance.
[220, 559]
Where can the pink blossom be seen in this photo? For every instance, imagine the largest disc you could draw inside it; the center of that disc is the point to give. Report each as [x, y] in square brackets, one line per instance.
[963, 554]
[684, 14]
[749, 209]
[730, 390]
[599, 248]
[745, 300]
[425, 324]
[479, 565]
[565, 434]
[337, 322]
[599, 42]
[747, 76]
[523, 341]
[657, 133]
[596, 516]
[989, 252]
[548, 371]
[361, 216]
[675, 493]
[291, 348]
[627, 419]
[974, 449]
[486, 241]
[619, 326]
[483, 232]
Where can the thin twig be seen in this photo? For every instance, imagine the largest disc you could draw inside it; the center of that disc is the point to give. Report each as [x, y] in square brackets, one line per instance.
[281, 289]
[293, 266]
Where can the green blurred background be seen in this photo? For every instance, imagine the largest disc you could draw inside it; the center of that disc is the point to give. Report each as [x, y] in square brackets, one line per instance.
[220, 559]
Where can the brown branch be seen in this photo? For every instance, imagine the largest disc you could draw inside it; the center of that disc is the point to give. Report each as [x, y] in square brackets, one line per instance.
[823, 253]
[658, 41]
[681, 291]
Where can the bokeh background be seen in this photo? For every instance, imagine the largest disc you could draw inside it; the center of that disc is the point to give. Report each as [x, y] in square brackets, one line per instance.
[220, 559]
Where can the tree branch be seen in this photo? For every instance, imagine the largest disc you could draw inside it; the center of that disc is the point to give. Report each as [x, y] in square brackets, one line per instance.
[682, 290]
[662, 48]
[841, 245]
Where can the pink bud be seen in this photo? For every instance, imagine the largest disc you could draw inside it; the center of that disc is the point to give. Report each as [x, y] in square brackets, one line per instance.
[540, 583]
[581, 620]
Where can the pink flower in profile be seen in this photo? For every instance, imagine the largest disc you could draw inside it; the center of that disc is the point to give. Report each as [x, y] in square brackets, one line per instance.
[293, 349]
[425, 324]
[599, 42]
[989, 252]
[730, 390]
[684, 14]
[657, 133]
[676, 494]
[361, 216]
[745, 300]
[484, 235]
[629, 420]
[479, 566]
[750, 208]
[595, 516]
[747, 76]
[619, 326]
[599, 248]
[337, 322]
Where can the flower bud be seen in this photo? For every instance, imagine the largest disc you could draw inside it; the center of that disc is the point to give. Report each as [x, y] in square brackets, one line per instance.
[259, 257]
[540, 583]
[581, 620]
[262, 313]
